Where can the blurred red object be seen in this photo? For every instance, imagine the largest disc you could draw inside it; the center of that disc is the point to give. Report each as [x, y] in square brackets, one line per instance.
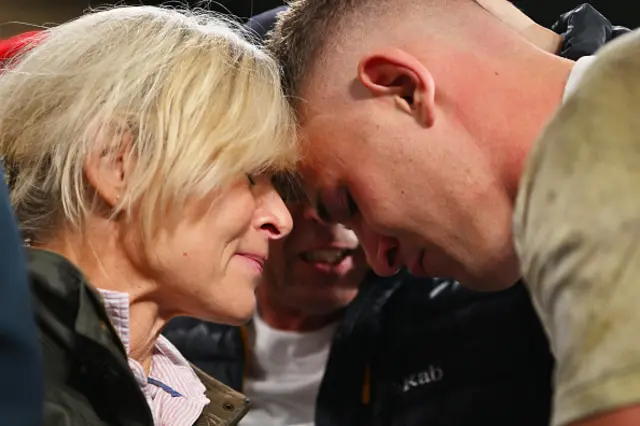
[12, 46]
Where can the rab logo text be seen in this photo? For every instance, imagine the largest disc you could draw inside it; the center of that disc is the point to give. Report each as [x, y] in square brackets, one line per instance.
[432, 375]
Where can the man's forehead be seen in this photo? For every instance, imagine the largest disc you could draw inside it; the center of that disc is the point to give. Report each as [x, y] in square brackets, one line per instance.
[327, 90]
[311, 175]
[321, 177]
[320, 165]
[323, 133]
[326, 132]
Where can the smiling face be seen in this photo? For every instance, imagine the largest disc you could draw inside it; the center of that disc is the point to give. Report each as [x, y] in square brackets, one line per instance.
[208, 264]
[317, 269]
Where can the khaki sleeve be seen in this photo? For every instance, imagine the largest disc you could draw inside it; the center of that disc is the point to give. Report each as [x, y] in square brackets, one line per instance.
[577, 231]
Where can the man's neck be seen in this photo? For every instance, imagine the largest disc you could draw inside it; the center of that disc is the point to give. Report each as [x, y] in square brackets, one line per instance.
[533, 111]
[281, 317]
[524, 99]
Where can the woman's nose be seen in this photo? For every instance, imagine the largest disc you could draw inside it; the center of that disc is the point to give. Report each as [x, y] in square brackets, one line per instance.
[273, 216]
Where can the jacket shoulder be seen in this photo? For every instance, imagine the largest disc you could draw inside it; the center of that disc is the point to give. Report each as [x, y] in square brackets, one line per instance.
[227, 406]
[86, 375]
[20, 358]
[200, 339]
[217, 349]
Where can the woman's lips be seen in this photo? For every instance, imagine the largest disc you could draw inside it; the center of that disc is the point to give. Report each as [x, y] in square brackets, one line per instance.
[255, 261]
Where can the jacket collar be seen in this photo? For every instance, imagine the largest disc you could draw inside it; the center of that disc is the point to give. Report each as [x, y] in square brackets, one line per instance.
[72, 302]
[72, 299]
[227, 407]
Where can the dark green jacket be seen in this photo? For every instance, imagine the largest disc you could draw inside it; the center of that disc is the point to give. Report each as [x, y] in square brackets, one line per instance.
[86, 374]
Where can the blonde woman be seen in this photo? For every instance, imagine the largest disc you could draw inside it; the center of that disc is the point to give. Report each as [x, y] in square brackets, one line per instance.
[140, 144]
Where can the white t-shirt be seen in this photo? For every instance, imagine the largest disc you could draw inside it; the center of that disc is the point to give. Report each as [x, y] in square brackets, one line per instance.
[284, 375]
[579, 68]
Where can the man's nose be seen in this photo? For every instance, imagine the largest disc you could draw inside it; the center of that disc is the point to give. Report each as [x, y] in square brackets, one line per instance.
[382, 252]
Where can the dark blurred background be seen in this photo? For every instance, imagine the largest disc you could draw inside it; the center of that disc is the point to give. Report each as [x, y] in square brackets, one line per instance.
[40, 12]
[545, 12]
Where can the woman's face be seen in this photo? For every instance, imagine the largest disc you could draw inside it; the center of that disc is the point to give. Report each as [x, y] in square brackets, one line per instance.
[209, 263]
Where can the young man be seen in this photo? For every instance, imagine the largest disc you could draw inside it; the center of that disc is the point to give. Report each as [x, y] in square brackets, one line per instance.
[406, 350]
[418, 117]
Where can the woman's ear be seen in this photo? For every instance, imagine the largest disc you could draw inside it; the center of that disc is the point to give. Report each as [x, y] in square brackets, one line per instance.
[106, 165]
[395, 73]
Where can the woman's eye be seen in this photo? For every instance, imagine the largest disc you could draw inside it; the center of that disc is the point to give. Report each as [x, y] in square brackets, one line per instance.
[252, 180]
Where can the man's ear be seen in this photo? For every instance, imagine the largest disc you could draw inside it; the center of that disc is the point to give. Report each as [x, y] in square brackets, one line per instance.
[108, 164]
[396, 73]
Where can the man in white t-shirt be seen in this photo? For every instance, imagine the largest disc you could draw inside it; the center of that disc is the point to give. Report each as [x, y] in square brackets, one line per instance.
[418, 117]
[309, 280]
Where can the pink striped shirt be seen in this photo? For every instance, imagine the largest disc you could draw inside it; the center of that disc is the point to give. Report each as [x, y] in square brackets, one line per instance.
[176, 396]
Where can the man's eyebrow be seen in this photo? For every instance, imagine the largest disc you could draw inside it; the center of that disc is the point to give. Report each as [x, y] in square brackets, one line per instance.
[323, 213]
[290, 188]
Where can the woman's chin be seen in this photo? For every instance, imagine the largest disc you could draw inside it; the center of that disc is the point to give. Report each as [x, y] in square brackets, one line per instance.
[236, 311]
[241, 317]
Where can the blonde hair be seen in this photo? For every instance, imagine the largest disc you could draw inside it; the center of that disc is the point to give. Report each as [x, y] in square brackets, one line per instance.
[203, 106]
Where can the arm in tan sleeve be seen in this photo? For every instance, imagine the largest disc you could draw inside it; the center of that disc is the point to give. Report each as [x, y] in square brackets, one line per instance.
[577, 229]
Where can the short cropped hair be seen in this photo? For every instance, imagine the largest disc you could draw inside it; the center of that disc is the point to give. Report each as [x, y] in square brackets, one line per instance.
[203, 105]
[302, 32]
[308, 27]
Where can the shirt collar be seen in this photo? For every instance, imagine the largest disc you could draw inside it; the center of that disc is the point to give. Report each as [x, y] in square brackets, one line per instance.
[117, 306]
[168, 367]
[577, 73]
